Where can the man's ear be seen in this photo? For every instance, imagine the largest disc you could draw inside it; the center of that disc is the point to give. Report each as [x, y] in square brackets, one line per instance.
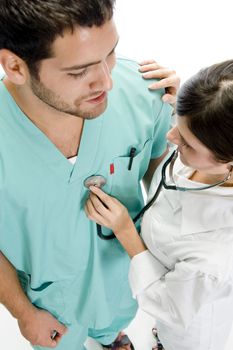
[14, 67]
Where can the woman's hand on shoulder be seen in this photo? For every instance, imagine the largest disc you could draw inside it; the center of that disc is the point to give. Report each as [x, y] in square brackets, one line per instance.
[169, 80]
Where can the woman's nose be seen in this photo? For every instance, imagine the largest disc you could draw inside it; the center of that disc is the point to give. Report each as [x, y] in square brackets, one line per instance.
[173, 136]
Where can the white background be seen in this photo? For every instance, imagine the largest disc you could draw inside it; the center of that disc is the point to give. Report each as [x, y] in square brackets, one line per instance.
[183, 35]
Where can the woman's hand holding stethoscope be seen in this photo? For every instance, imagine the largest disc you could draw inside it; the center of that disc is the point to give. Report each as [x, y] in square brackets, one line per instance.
[107, 211]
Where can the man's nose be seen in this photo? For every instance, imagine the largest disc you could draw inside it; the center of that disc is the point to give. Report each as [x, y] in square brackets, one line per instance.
[103, 79]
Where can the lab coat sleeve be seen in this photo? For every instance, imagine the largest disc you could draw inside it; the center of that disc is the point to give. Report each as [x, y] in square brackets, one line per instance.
[175, 297]
[145, 269]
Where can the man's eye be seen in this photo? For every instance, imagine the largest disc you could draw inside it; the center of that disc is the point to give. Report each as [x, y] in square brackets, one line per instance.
[112, 53]
[78, 75]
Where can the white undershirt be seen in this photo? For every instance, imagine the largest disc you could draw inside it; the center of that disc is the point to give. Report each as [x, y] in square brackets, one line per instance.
[72, 160]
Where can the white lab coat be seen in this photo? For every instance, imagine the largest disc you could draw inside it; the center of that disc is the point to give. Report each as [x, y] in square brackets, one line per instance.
[185, 279]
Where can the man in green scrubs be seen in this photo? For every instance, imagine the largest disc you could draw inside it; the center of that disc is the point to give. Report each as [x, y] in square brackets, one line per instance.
[62, 121]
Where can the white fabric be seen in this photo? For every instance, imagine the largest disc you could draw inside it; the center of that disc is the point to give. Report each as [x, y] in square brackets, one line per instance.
[72, 160]
[190, 234]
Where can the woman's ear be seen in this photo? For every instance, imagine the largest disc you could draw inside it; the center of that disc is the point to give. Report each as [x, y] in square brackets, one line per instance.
[14, 67]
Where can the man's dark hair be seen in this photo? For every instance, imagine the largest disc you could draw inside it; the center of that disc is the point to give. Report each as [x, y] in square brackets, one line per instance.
[206, 100]
[29, 27]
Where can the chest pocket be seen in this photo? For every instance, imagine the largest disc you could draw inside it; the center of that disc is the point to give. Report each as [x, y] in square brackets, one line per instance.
[125, 182]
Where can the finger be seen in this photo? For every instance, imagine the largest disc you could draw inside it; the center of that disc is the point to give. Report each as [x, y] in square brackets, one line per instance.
[93, 215]
[98, 205]
[46, 343]
[90, 209]
[158, 73]
[149, 61]
[150, 67]
[104, 197]
[89, 216]
[60, 328]
[164, 83]
[111, 203]
[53, 344]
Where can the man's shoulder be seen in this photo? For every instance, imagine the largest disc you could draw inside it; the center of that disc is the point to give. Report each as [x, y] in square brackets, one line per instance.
[129, 81]
[126, 69]
[123, 62]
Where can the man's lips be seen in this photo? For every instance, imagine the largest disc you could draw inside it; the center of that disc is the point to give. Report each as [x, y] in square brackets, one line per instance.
[100, 98]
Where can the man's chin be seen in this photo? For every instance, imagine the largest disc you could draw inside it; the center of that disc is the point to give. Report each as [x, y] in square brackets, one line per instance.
[95, 112]
[91, 113]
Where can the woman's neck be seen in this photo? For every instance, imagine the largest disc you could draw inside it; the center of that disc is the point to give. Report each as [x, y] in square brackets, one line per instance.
[210, 179]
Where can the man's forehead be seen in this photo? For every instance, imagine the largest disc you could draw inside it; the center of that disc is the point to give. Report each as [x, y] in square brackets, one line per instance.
[86, 40]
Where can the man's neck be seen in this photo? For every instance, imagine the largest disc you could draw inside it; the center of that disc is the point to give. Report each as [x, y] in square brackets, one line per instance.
[63, 130]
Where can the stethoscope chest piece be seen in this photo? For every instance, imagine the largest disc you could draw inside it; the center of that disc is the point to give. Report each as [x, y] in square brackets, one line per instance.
[95, 180]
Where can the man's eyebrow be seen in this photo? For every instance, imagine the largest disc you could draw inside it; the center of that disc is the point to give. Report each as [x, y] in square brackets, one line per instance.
[77, 67]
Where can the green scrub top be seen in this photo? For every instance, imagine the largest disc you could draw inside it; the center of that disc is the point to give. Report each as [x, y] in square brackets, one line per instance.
[62, 263]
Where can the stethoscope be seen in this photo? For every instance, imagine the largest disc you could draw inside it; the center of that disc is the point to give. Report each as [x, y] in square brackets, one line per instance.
[100, 181]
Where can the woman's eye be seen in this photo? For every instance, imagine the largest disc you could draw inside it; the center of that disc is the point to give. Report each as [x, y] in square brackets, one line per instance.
[78, 75]
[184, 144]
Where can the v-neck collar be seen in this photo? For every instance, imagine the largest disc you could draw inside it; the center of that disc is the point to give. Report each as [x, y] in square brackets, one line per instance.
[46, 150]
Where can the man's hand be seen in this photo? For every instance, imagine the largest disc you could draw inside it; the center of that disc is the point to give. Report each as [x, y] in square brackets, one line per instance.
[169, 79]
[38, 327]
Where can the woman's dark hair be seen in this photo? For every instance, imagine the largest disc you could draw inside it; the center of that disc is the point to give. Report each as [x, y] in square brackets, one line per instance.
[29, 27]
[206, 100]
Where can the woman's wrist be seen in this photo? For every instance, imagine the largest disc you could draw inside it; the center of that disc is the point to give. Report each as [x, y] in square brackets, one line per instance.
[125, 228]
[130, 240]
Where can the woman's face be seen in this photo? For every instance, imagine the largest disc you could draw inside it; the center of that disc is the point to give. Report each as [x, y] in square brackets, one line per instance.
[192, 152]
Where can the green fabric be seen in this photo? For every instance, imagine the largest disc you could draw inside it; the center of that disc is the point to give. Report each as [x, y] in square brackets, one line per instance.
[45, 233]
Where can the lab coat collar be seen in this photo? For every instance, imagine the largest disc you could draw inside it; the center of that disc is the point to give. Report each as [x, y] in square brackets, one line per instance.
[197, 213]
[196, 204]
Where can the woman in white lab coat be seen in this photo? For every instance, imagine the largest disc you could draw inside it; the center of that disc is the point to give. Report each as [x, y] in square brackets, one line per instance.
[182, 268]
